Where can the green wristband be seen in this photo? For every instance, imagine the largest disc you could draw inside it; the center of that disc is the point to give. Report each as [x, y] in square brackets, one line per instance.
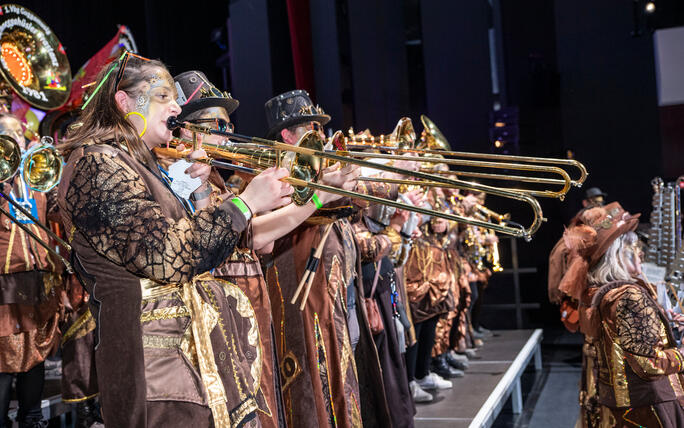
[317, 201]
[242, 207]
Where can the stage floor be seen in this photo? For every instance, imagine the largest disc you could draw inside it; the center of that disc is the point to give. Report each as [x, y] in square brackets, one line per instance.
[458, 407]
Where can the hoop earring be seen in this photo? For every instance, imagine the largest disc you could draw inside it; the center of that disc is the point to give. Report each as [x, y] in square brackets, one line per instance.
[142, 117]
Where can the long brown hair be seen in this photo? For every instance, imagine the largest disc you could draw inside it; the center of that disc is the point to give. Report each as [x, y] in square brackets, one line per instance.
[102, 120]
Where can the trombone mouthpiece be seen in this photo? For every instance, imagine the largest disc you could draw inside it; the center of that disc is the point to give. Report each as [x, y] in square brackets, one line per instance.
[172, 123]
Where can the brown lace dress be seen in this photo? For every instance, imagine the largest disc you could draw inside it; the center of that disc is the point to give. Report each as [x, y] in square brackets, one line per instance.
[139, 252]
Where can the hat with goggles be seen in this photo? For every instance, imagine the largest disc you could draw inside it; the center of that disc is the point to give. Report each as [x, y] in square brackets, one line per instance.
[196, 92]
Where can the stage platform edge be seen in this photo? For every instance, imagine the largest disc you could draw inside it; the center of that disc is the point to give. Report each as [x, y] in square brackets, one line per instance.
[477, 399]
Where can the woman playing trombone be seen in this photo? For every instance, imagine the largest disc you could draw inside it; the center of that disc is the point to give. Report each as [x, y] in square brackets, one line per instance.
[139, 249]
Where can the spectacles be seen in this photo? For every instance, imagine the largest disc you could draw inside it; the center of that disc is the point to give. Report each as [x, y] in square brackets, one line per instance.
[221, 125]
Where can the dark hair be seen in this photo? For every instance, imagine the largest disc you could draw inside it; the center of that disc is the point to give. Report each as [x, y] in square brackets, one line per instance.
[103, 120]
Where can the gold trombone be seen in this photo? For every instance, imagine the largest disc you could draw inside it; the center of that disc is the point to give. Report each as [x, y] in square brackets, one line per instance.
[304, 162]
[338, 141]
[433, 142]
[41, 168]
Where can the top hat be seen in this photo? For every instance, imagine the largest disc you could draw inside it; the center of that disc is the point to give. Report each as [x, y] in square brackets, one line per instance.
[593, 192]
[292, 108]
[196, 92]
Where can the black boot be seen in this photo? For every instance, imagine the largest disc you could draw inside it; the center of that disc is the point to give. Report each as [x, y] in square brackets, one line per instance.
[440, 366]
[88, 414]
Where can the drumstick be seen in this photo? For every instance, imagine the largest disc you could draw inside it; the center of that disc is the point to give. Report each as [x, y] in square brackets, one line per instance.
[317, 256]
[310, 266]
[302, 281]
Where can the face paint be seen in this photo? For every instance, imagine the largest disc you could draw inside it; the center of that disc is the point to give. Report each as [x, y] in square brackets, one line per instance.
[155, 100]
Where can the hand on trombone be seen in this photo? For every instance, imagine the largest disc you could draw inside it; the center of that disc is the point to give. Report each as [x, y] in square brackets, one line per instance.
[342, 177]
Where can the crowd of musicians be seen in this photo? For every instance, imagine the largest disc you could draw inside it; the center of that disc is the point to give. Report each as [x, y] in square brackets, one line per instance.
[228, 304]
[297, 290]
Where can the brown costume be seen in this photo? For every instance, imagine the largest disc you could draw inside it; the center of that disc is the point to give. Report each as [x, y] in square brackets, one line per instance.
[632, 368]
[174, 346]
[318, 370]
[430, 279]
[375, 249]
[79, 377]
[244, 270]
[30, 293]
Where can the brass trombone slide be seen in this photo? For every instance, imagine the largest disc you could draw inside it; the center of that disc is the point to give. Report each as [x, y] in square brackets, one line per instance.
[577, 182]
[565, 182]
[243, 155]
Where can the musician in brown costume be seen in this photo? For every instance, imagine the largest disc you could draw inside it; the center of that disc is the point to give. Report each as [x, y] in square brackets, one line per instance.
[377, 230]
[30, 297]
[79, 377]
[317, 359]
[202, 103]
[174, 346]
[429, 276]
[632, 371]
[450, 342]
[558, 264]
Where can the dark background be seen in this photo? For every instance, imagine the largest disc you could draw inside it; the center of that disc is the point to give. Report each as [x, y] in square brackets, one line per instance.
[581, 74]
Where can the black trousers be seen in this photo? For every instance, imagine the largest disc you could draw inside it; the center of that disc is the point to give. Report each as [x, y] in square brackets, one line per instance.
[418, 356]
[29, 393]
[476, 298]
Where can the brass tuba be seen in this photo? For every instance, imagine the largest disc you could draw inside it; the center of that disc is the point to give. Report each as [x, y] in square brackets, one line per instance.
[33, 63]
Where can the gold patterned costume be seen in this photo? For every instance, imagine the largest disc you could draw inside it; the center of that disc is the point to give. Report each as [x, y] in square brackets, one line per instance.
[175, 347]
[632, 370]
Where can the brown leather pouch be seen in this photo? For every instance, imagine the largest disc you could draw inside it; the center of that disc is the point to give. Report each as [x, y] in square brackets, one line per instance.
[372, 311]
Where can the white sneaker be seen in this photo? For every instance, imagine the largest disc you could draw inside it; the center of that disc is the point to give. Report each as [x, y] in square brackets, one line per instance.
[434, 381]
[419, 394]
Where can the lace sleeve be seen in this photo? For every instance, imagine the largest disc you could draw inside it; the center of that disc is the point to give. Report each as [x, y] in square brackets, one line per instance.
[643, 337]
[638, 325]
[110, 205]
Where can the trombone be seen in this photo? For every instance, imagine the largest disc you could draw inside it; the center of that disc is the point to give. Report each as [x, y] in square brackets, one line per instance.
[433, 142]
[338, 141]
[41, 168]
[304, 162]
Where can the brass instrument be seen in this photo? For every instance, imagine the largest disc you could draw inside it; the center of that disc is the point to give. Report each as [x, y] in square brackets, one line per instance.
[402, 137]
[340, 143]
[34, 63]
[305, 164]
[474, 249]
[492, 252]
[434, 143]
[41, 169]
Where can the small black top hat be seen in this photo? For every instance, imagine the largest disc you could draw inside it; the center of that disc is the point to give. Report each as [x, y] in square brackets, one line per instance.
[292, 108]
[593, 192]
[196, 92]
